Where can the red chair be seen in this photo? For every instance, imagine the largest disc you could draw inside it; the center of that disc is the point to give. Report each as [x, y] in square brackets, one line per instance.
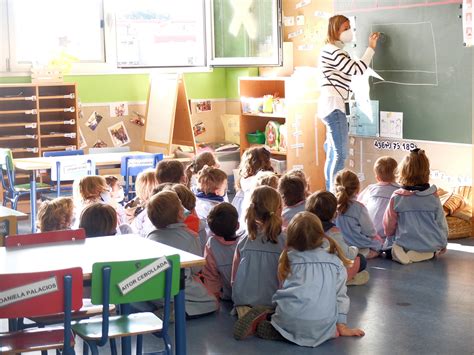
[40, 294]
[46, 237]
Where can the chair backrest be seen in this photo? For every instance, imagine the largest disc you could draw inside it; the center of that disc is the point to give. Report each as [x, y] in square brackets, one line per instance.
[46, 237]
[7, 167]
[152, 288]
[40, 293]
[63, 153]
[69, 169]
[109, 150]
[132, 165]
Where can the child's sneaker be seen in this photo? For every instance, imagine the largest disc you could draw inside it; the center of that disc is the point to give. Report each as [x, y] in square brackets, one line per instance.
[440, 252]
[265, 330]
[247, 325]
[417, 256]
[372, 254]
[399, 254]
[361, 278]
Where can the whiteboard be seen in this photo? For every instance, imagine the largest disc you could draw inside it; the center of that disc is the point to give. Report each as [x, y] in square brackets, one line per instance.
[161, 109]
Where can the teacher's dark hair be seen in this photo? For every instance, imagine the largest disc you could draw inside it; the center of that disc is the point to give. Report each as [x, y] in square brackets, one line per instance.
[334, 25]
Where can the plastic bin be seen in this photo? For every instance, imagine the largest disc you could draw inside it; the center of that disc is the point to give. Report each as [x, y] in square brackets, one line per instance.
[256, 138]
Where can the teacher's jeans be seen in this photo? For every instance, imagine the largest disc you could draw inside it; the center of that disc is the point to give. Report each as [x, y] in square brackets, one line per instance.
[336, 145]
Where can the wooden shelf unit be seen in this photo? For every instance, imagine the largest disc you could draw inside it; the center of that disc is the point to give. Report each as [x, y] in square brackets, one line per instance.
[305, 136]
[38, 117]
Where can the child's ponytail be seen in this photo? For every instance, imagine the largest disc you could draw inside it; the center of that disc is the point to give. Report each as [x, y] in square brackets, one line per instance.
[265, 210]
[272, 226]
[250, 217]
[334, 248]
[347, 186]
[283, 266]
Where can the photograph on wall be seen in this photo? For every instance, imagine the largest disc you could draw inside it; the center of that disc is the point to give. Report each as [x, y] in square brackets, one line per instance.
[203, 106]
[118, 109]
[82, 140]
[119, 134]
[138, 119]
[99, 144]
[93, 120]
[199, 128]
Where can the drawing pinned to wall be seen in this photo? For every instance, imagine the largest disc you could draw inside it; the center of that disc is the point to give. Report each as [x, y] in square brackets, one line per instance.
[138, 119]
[391, 124]
[82, 140]
[93, 120]
[467, 22]
[118, 109]
[203, 106]
[99, 144]
[288, 21]
[199, 128]
[119, 134]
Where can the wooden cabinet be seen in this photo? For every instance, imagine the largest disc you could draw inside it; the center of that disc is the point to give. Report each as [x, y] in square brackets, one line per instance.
[305, 133]
[35, 118]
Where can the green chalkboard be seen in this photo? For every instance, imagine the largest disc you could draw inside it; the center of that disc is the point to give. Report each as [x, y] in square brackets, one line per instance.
[426, 67]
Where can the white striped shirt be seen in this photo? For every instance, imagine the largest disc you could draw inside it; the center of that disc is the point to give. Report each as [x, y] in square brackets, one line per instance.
[336, 70]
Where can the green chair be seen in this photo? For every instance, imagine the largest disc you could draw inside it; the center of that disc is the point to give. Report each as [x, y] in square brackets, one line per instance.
[106, 277]
[11, 191]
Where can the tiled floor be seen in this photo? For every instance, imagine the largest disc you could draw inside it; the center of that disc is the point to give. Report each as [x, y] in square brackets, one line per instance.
[424, 308]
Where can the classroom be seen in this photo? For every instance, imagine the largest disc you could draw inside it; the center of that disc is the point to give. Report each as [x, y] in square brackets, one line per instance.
[236, 176]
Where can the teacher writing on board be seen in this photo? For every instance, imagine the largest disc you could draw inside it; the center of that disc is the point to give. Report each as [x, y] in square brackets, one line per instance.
[337, 68]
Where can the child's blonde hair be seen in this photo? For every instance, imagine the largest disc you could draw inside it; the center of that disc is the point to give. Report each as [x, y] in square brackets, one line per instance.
[199, 161]
[385, 168]
[164, 208]
[335, 23]
[145, 183]
[264, 211]
[347, 185]
[210, 179]
[254, 160]
[414, 169]
[267, 178]
[55, 214]
[305, 232]
[90, 187]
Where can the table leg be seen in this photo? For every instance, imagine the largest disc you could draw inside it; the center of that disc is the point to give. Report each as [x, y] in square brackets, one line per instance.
[180, 318]
[33, 200]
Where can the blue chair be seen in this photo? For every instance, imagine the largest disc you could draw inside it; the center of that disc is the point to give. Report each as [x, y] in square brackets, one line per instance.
[132, 165]
[63, 153]
[121, 283]
[11, 191]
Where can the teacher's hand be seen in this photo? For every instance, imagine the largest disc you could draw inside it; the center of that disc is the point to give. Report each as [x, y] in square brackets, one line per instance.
[373, 38]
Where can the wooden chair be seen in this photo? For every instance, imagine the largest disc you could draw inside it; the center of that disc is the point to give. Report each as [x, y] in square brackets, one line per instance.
[132, 165]
[106, 277]
[40, 294]
[11, 191]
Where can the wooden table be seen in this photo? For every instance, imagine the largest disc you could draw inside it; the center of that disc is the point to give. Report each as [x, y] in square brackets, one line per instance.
[34, 165]
[8, 222]
[85, 253]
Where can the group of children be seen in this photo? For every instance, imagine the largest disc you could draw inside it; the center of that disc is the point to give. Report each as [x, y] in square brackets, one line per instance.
[282, 255]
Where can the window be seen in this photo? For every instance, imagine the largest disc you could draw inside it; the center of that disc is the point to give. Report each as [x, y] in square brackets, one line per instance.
[113, 35]
[38, 34]
[247, 32]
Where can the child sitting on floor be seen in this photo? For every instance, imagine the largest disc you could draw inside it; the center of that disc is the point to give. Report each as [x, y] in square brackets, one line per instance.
[414, 220]
[253, 160]
[376, 196]
[352, 217]
[267, 178]
[170, 171]
[255, 264]
[211, 189]
[55, 215]
[199, 162]
[167, 214]
[223, 222]
[312, 305]
[117, 197]
[293, 193]
[324, 205]
[99, 220]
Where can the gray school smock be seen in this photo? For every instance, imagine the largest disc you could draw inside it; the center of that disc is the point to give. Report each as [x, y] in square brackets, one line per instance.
[198, 300]
[417, 220]
[312, 299]
[242, 199]
[204, 206]
[357, 227]
[376, 198]
[337, 236]
[222, 252]
[256, 278]
[289, 212]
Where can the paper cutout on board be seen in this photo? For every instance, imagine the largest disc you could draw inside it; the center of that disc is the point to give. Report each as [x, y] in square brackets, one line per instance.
[300, 20]
[99, 144]
[302, 3]
[93, 120]
[467, 23]
[391, 124]
[118, 109]
[138, 119]
[119, 134]
[199, 128]
[364, 118]
[288, 21]
[203, 106]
